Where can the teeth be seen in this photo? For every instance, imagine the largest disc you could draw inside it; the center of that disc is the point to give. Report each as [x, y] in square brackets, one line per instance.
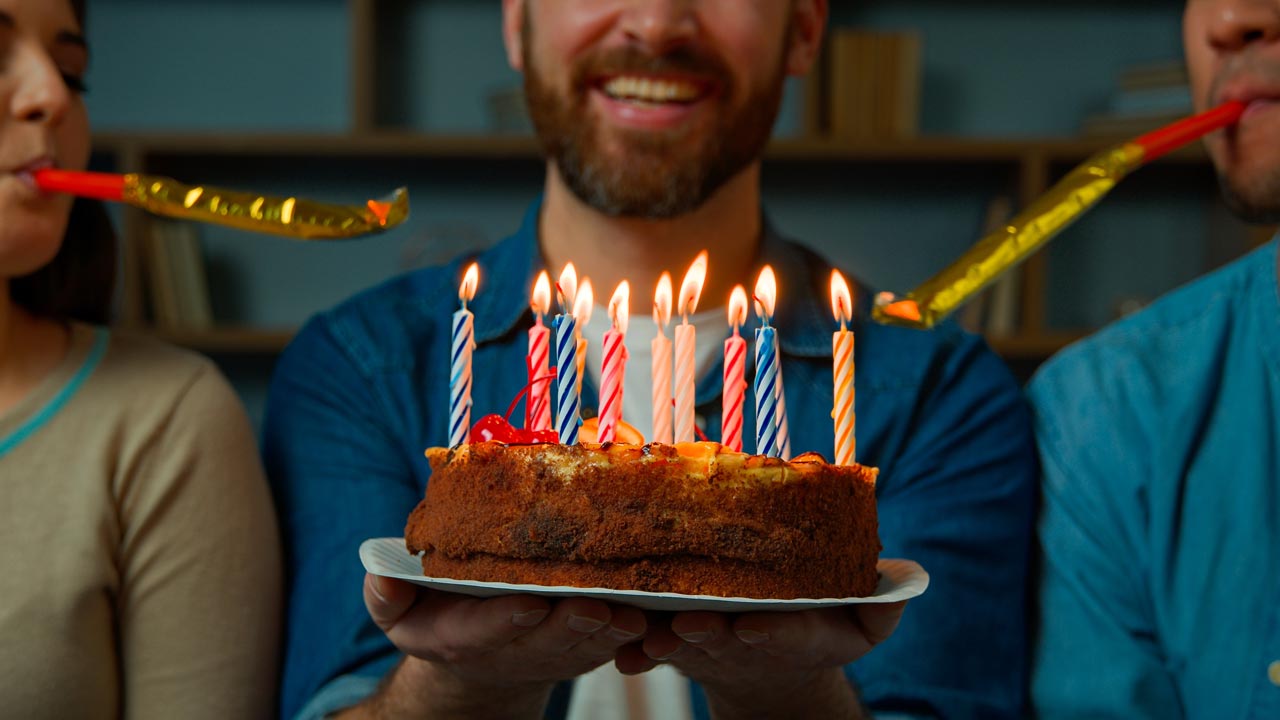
[650, 90]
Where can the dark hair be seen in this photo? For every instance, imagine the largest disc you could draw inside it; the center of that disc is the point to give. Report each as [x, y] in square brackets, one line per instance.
[79, 282]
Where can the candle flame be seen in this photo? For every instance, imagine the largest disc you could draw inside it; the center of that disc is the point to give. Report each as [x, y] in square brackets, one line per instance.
[583, 303]
[620, 307]
[662, 301]
[691, 288]
[541, 303]
[737, 307]
[568, 287]
[470, 281]
[766, 293]
[841, 300]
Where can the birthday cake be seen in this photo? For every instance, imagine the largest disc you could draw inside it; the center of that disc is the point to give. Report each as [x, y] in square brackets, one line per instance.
[691, 518]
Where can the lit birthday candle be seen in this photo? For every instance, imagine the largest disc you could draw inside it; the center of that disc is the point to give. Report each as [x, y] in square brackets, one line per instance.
[766, 367]
[686, 345]
[539, 403]
[661, 346]
[842, 373]
[568, 415]
[582, 306]
[464, 342]
[735, 362]
[614, 366]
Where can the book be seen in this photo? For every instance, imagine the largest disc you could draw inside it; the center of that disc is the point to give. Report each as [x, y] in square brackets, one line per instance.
[873, 84]
[176, 277]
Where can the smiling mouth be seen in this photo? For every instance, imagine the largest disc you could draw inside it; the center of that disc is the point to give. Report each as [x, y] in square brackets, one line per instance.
[652, 91]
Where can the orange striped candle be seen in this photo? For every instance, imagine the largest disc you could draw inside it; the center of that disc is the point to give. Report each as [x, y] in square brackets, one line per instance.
[843, 372]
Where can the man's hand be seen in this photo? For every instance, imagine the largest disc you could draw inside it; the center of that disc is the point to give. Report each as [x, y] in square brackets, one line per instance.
[769, 664]
[495, 657]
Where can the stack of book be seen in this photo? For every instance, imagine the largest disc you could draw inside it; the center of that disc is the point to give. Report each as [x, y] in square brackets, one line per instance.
[873, 84]
[177, 281]
[1146, 97]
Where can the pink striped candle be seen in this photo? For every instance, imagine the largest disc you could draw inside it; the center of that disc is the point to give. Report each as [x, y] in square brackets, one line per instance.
[663, 431]
[614, 367]
[538, 406]
[843, 372]
[686, 344]
[735, 371]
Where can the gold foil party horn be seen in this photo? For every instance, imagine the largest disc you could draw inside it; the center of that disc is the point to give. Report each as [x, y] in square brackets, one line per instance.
[1024, 234]
[288, 216]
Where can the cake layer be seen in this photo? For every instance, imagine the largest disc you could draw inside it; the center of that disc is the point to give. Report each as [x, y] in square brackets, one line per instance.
[649, 518]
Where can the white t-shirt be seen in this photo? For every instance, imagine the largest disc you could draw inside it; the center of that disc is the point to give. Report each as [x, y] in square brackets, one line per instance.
[604, 693]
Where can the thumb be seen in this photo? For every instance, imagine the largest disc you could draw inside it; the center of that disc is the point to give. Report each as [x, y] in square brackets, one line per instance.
[387, 599]
[878, 621]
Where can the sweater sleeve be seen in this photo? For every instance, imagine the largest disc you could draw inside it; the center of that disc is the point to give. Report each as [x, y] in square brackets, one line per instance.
[199, 564]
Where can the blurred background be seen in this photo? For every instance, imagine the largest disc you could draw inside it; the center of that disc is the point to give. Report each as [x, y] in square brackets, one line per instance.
[929, 121]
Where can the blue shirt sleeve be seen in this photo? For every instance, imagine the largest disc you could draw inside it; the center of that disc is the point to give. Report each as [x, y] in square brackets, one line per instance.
[1097, 652]
[328, 448]
[957, 494]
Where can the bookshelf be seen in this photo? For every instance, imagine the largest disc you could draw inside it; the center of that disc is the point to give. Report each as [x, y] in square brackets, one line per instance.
[369, 111]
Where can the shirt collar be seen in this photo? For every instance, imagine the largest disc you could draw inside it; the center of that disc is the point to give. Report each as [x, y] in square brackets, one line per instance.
[803, 316]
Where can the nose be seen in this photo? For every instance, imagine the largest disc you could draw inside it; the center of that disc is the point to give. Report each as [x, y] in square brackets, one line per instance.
[660, 25]
[1236, 24]
[41, 95]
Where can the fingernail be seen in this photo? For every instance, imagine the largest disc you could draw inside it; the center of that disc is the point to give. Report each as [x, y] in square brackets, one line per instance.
[695, 637]
[375, 584]
[581, 624]
[529, 618]
[670, 655]
[622, 635]
[751, 637]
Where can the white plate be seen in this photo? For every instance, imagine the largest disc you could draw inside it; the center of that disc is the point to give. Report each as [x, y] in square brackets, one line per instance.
[899, 580]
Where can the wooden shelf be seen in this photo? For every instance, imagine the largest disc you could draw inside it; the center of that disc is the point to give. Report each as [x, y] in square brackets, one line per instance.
[516, 147]
[249, 341]
[233, 341]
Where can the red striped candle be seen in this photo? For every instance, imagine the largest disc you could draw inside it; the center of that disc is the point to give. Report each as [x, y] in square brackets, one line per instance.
[843, 372]
[538, 406]
[614, 367]
[735, 370]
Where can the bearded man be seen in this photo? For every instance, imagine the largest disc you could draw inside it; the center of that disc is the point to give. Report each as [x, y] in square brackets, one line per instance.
[653, 116]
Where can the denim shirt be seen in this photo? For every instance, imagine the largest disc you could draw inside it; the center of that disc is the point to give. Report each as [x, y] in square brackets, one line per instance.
[1160, 438]
[363, 390]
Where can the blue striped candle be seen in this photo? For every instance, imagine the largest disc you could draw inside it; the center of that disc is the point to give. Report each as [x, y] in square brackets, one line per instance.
[766, 392]
[568, 415]
[460, 377]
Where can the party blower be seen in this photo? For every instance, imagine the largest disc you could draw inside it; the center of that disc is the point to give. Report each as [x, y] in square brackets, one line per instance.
[1027, 232]
[291, 217]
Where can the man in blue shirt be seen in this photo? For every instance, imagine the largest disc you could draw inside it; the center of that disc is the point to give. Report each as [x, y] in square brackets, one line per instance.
[1160, 440]
[653, 117]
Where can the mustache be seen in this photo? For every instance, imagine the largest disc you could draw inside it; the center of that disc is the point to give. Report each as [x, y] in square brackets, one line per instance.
[684, 60]
[1250, 65]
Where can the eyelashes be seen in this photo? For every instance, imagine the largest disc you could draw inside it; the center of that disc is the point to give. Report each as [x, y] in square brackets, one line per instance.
[75, 83]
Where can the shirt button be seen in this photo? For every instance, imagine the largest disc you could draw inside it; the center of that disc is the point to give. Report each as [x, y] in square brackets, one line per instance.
[1273, 672]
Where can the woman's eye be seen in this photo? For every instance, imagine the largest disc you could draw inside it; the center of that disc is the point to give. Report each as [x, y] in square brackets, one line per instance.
[75, 83]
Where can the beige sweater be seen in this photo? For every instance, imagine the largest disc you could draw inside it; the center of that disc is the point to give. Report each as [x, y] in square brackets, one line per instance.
[140, 561]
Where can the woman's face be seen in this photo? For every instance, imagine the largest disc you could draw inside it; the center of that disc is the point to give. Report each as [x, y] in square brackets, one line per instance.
[43, 123]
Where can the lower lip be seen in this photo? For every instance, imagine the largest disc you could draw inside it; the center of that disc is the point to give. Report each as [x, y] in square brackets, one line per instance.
[1258, 106]
[657, 116]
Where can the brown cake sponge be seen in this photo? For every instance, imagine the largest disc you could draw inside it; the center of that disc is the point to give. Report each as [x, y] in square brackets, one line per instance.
[691, 518]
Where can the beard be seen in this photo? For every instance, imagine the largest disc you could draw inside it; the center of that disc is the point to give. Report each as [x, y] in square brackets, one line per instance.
[656, 175]
[1258, 202]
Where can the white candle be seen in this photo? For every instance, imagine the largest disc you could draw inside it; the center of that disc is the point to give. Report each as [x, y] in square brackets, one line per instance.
[686, 345]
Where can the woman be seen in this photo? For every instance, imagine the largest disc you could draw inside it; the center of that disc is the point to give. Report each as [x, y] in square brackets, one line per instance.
[139, 568]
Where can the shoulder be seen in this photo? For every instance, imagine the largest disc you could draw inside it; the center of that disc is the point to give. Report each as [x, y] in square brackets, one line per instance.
[145, 372]
[1137, 366]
